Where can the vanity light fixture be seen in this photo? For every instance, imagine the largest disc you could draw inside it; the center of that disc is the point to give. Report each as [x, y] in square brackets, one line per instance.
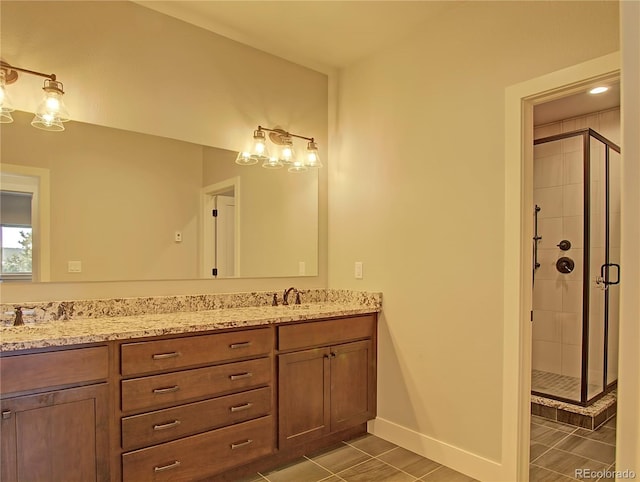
[286, 154]
[50, 114]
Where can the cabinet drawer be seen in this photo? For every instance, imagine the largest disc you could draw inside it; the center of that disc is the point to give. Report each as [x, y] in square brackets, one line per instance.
[198, 456]
[171, 388]
[56, 368]
[176, 353]
[171, 423]
[323, 333]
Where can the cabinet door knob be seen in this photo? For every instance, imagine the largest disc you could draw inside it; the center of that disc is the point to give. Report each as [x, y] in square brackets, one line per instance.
[6, 414]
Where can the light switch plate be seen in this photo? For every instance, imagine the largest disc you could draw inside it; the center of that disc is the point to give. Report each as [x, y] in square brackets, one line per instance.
[358, 270]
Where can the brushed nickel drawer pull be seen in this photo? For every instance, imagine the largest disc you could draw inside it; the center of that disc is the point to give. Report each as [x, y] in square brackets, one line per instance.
[239, 408]
[167, 467]
[244, 344]
[6, 414]
[240, 376]
[174, 388]
[240, 444]
[164, 356]
[162, 426]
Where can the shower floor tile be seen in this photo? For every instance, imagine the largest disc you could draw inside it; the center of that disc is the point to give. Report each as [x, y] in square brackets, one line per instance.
[558, 385]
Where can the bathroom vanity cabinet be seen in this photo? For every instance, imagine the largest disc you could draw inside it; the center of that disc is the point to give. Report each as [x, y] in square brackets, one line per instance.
[327, 378]
[54, 412]
[195, 406]
[213, 405]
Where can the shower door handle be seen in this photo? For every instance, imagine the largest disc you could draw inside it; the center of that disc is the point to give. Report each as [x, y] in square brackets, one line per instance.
[604, 270]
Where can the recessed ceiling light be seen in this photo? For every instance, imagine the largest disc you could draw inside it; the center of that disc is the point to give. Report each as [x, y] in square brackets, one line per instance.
[598, 90]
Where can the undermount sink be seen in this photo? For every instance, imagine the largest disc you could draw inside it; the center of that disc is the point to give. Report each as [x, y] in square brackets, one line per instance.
[297, 307]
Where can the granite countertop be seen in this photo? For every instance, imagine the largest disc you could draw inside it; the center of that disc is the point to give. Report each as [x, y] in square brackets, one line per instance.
[94, 330]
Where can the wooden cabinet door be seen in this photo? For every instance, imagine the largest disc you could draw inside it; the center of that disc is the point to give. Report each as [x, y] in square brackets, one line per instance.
[353, 391]
[303, 402]
[55, 436]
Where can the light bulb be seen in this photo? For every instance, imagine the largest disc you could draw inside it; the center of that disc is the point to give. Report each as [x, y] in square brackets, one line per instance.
[53, 104]
[286, 152]
[51, 112]
[598, 90]
[313, 159]
[245, 159]
[259, 150]
[297, 166]
[272, 163]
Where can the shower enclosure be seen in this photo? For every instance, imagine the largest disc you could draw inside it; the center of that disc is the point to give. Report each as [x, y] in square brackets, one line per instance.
[576, 249]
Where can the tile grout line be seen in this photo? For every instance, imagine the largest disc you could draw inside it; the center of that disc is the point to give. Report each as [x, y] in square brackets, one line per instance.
[386, 463]
[331, 472]
[554, 471]
[594, 440]
[584, 457]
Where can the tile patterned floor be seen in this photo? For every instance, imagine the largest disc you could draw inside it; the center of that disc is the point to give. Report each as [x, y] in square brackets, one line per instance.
[557, 451]
[364, 459]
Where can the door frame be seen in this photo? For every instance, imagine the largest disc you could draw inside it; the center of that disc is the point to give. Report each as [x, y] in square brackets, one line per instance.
[519, 102]
[207, 238]
[35, 180]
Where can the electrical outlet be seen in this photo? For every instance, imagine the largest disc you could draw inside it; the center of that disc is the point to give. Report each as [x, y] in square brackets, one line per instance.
[74, 266]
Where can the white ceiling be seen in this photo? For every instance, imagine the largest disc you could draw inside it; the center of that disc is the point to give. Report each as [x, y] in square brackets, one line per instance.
[322, 35]
[578, 104]
[328, 35]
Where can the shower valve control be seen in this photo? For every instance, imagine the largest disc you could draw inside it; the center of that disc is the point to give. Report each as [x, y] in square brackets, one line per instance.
[564, 245]
[565, 265]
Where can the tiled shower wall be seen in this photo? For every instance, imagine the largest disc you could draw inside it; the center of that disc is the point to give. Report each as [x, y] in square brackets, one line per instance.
[557, 298]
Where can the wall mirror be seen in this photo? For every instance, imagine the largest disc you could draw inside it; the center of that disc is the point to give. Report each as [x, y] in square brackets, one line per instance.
[114, 205]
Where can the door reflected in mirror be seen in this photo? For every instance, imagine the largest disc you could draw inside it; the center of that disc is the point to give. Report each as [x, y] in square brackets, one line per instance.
[115, 205]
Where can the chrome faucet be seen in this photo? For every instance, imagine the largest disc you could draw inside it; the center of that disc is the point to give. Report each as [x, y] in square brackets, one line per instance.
[285, 296]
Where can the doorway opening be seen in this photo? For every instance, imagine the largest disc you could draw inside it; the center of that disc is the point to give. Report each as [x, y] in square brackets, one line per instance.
[576, 249]
[520, 100]
[220, 251]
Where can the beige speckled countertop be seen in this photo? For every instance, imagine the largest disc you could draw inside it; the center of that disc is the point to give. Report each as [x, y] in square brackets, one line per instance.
[93, 330]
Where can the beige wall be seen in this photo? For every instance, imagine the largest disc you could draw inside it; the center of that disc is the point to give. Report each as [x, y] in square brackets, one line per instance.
[277, 214]
[129, 67]
[417, 194]
[116, 199]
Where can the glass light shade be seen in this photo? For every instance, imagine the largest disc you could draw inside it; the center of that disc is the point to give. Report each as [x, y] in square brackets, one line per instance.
[259, 149]
[245, 159]
[297, 166]
[47, 123]
[287, 154]
[51, 112]
[313, 159]
[272, 163]
[6, 107]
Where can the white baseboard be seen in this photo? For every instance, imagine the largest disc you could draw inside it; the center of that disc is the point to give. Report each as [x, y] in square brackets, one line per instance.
[473, 465]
